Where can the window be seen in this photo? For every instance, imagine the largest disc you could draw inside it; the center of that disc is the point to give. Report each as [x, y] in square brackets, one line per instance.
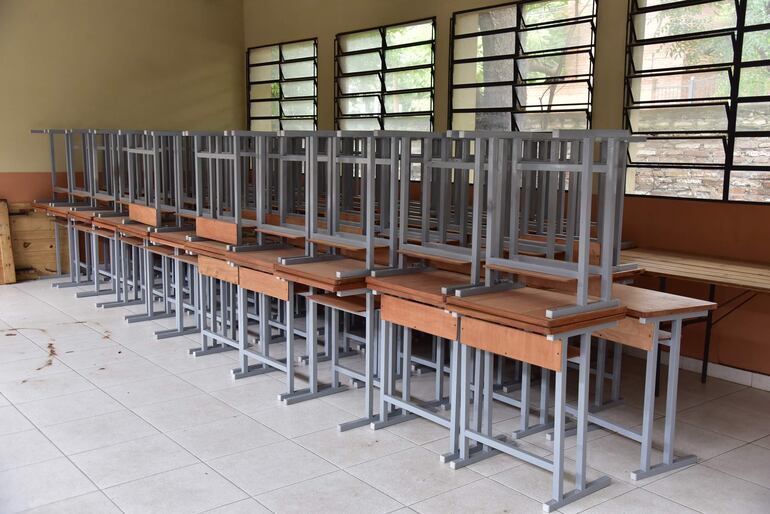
[384, 77]
[282, 86]
[698, 85]
[526, 65]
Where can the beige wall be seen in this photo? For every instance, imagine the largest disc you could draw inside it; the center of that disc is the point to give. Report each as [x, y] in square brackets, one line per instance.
[273, 21]
[166, 64]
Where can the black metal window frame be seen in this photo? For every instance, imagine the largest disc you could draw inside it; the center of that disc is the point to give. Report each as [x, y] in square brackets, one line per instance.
[729, 102]
[519, 55]
[280, 81]
[382, 92]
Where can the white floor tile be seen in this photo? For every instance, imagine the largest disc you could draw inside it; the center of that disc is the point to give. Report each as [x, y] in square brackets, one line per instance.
[23, 448]
[249, 506]
[412, 475]
[185, 412]
[151, 390]
[336, 492]
[224, 437]
[104, 430]
[39, 484]
[639, 501]
[196, 488]
[11, 420]
[90, 503]
[45, 386]
[710, 491]
[727, 419]
[749, 462]
[301, 418]
[131, 460]
[482, 496]
[271, 467]
[121, 372]
[86, 404]
[346, 449]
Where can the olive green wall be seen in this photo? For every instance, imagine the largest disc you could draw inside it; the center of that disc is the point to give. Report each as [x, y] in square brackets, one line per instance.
[165, 64]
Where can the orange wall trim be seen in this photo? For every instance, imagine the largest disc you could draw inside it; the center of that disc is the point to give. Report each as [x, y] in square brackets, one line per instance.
[25, 186]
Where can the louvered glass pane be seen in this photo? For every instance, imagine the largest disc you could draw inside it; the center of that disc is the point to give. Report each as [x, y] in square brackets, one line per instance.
[482, 97]
[359, 124]
[408, 79]
[263, 73]
[405, 34]
[675, 182]
[409, 56]
[539, 121]
[408, 123]
[556, 38]
[298, 125]
[690, 151]
[295, 70]
[294, 89]
[259, 109]
[360, 41]
[686, 86]
[360, 105]
[697, 118]
[750, 186]
[407, 102]
[359, 84]
[685, 20]
[555, 10]
[263, 55]
[483, 71]
[485, 46]
[298, 108]
[486, 19]
[360, 62]
[753, 116]
[299, 50]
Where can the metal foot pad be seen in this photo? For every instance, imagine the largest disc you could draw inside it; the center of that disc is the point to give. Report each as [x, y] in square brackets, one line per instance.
[576, 494]
[657, 469]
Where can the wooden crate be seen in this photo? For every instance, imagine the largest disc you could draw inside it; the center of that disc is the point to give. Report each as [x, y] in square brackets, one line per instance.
[32, 242]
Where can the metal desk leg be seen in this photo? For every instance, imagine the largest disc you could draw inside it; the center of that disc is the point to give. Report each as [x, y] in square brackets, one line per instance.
[707, 340]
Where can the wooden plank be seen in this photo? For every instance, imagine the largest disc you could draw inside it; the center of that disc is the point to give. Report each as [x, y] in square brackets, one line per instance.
[629, 332]
[510, 342]
[265, 283]
[422, 287]
[647, 303]
[7, 267]
[218, 230]
[353, 304]
[697, 268]
[143, 214]
[431, 320]
[218, 269]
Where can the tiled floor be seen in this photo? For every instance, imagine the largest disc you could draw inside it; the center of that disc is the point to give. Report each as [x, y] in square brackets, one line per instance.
[98, 416]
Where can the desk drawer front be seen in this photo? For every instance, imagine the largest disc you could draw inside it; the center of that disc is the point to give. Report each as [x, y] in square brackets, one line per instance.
[217, 230]
[510, 342]
[263, 283]
[431, 320]
[218, 269]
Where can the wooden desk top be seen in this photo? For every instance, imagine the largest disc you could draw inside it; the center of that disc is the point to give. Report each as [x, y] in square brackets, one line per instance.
[424, 286]
[525, 308]
[263, 260]
[209, 248]
[725, 272]
[323, 274]
[647, 303]
[135, 229]
[175, 239]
